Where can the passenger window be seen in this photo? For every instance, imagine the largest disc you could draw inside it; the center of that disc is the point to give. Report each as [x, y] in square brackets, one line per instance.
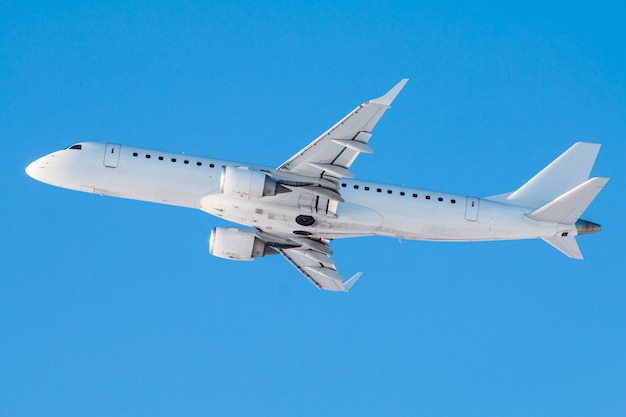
[212, 165]
[186, 161]
[173, 159]
[440, 199]
[160, 158]
[356, 187]
[147, 156]
[453, 201]
[135, 154]
[389, 191]
[427, 197]
[401, 192]
[414, 195]
[378, 190]
[199, 164]
[366, 188]
[343, 185]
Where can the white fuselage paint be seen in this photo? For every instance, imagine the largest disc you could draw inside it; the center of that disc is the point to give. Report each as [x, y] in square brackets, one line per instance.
[196, 184]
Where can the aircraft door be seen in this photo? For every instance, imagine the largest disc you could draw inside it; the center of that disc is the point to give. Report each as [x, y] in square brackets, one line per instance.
[471, 209]
[112, 155]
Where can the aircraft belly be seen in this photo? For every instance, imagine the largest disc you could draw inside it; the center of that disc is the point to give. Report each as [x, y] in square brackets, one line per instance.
[267, 215]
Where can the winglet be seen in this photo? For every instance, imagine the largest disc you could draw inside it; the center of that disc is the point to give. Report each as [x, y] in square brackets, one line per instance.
[391, 94]
[350, 282]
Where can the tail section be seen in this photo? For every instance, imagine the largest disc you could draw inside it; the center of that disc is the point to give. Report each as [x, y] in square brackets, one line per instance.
[560, 193]
[566, 210]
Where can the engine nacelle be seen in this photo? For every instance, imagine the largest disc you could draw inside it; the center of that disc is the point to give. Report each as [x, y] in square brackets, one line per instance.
[247, 183]
[237, 244]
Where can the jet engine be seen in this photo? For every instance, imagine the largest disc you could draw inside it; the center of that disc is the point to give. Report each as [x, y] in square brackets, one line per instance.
[237, 244]
[247, 183]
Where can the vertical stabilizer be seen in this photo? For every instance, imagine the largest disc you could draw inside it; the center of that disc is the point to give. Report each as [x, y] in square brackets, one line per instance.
[566, 172]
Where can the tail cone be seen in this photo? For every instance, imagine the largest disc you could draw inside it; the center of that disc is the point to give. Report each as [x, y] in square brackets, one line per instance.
[584, 227]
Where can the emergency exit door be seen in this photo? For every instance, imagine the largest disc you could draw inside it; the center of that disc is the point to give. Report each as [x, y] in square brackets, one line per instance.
[112, 155]
[471, 209]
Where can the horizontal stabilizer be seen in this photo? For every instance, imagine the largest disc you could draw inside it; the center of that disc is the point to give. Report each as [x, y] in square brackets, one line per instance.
[566, 244]
[568, 208]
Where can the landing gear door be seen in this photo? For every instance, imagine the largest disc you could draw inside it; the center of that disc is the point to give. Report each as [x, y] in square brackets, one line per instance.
[471, 209]
[112, 155]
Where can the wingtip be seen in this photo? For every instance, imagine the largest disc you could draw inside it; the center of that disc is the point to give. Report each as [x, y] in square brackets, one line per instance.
[350, 282]
[390, 96]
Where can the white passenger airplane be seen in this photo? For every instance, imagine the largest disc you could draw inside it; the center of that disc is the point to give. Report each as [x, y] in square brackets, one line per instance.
[297, 208]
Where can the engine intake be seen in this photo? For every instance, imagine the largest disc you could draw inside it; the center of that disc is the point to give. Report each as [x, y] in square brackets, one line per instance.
[237, 244]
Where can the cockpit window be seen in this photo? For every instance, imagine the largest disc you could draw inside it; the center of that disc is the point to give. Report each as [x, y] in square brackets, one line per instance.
[76, 147]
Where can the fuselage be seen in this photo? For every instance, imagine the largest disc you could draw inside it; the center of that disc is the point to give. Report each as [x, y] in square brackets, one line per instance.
[369, 208]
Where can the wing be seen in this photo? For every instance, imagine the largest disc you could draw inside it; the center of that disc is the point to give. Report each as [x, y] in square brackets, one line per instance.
[312, 257]
[328, 159]
[331, 155]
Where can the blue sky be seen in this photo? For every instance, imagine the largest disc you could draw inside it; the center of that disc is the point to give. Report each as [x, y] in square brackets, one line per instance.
[115, 308]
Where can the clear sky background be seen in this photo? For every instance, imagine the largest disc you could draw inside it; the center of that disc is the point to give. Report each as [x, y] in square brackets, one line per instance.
[112, 307]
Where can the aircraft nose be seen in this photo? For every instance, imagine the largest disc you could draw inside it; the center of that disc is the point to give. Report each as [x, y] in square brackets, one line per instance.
[31, 169]
[37, 169]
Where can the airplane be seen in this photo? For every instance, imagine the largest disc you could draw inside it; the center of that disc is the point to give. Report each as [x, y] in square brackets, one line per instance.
[297, 208]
